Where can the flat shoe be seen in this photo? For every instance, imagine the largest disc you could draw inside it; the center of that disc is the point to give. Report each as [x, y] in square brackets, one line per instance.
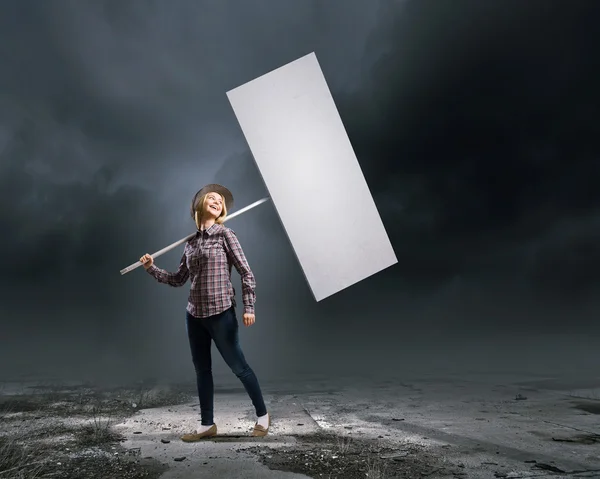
[260, 431]
[194, 436]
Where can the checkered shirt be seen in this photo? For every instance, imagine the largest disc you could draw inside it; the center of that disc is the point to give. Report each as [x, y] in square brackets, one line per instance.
[207, 260]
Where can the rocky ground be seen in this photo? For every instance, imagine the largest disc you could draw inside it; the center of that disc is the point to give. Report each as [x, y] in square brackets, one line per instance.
[429, 428]
[67, 432]
[330, 456]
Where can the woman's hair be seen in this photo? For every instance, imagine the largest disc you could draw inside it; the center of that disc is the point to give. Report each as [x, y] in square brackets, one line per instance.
[199, 209]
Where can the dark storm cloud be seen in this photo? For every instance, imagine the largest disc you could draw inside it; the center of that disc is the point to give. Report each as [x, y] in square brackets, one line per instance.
[112, 115]
[474, 123]
[146, 80]
[477, 132]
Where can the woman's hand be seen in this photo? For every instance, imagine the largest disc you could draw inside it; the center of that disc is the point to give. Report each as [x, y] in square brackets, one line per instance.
[146, 261]
[248, 319]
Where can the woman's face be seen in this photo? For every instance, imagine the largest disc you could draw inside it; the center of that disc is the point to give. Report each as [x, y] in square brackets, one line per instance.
[213, 206]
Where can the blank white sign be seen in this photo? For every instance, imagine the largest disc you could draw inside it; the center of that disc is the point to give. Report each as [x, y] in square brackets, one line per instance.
[301, 148]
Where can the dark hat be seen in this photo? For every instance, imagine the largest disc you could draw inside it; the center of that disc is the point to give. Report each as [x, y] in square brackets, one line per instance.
[224, 192]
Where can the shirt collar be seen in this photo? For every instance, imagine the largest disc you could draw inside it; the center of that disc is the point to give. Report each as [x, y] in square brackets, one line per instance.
[212, 230]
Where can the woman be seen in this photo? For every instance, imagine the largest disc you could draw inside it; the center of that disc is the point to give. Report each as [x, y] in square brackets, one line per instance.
[207, 260]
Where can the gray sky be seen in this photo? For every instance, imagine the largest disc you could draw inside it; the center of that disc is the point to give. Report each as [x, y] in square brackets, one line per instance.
[474, 123]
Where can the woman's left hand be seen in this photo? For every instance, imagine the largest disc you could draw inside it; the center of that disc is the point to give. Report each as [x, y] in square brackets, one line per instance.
[248, 319]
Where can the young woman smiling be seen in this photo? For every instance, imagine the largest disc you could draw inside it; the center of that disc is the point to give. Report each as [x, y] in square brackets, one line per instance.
[207, 260]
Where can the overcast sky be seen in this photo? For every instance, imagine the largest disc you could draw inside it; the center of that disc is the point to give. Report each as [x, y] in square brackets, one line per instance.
[475, 124]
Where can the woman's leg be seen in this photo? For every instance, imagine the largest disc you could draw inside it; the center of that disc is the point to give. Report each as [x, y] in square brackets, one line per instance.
[200, 343]
[224, 331]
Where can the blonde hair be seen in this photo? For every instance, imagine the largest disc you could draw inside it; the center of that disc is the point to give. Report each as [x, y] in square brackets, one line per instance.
[199, 209]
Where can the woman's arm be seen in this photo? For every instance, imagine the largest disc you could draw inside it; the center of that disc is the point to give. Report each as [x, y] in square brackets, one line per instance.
[236, 256]
[172, 279]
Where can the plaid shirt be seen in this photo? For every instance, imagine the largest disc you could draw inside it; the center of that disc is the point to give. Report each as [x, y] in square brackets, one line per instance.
[207, 260]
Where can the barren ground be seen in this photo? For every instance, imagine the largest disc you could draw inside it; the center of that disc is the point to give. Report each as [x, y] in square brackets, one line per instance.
[388, 429]
[68, 431]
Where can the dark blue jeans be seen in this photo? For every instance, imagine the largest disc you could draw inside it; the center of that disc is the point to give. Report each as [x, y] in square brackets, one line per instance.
[223, 329]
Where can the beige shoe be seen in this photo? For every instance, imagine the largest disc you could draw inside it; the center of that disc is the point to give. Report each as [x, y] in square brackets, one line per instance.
[194, 436]
[260, 431]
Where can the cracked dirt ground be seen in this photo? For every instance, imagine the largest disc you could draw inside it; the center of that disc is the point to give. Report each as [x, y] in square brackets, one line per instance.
[464, 427]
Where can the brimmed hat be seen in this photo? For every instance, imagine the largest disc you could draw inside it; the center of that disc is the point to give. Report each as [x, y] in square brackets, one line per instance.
[224, 192]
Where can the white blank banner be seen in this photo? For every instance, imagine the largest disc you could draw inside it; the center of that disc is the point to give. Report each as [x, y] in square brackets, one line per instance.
[301, 148]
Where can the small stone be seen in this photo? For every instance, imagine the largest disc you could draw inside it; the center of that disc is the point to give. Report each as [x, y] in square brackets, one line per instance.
[179, 459]
[165, 441]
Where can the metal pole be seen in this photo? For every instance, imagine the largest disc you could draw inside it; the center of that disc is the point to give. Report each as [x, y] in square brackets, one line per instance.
[137, 264]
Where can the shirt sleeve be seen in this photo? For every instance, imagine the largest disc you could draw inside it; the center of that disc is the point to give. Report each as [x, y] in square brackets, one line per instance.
[172, 279]
[238, 259]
